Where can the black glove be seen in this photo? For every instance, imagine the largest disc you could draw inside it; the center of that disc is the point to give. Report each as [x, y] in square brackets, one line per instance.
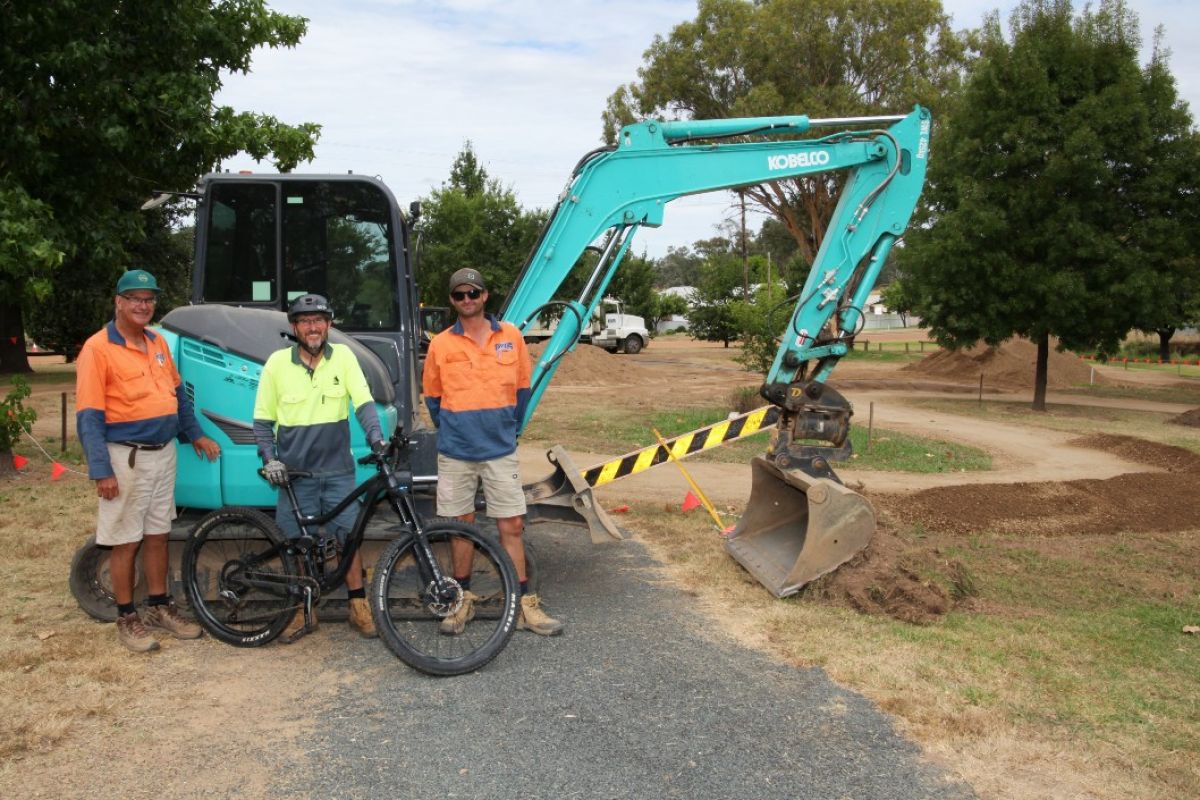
[275, 471]
[379, 447]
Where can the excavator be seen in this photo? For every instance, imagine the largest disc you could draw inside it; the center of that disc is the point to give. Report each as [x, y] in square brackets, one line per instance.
[262, 240]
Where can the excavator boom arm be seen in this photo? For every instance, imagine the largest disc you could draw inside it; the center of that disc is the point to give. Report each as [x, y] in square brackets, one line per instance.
[615, 191]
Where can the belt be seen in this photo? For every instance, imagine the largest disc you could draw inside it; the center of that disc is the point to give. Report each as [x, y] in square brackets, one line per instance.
[135, 446]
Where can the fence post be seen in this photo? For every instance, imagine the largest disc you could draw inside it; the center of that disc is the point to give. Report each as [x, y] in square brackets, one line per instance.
[64, 422]
[981, 389]
[870, 426]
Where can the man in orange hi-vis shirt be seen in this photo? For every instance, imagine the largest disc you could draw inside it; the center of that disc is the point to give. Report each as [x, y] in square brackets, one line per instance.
[130, 406]
[476, 385]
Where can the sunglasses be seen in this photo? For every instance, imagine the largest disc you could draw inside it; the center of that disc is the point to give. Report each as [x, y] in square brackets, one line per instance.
[471, 293]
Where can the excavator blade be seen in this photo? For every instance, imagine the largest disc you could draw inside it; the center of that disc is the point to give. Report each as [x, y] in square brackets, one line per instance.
[797, 528]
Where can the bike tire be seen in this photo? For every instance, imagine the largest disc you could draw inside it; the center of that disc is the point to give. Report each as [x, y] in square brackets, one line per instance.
[408, 620]
[220, 550]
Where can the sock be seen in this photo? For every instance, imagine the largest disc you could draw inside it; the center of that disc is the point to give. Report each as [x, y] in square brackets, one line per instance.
[126, 608]
[158, 600]
[524, 587]
[465, 583]
[361, 592]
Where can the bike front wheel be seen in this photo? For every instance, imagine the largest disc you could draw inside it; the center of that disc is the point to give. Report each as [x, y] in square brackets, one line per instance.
[411, 609]
[239, 574]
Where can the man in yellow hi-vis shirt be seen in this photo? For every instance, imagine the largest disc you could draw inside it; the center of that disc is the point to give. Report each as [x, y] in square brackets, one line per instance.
[301, 421]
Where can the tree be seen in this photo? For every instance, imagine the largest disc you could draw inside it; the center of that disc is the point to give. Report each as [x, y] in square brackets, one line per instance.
[1031, 227]
[712, 317]
[823, 58]
[1166, 202]
[473, 220]
[101, 103]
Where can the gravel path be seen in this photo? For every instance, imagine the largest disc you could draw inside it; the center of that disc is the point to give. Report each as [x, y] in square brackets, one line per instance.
[636, 700]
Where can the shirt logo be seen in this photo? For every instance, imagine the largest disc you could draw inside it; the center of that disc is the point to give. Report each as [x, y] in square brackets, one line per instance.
[160, 358]
[504, 347]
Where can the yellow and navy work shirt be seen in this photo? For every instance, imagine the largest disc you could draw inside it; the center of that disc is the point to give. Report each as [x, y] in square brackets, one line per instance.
[477, 395]
[125, 395]
[301, 415]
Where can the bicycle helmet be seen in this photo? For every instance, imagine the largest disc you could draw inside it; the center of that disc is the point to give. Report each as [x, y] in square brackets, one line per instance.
[309, 304]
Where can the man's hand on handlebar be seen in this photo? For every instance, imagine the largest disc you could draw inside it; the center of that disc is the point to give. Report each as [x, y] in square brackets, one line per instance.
[276, 472]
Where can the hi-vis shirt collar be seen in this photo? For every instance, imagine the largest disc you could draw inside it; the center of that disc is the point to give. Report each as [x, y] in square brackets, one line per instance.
[327, 353]
[115, 337]
[458, 328]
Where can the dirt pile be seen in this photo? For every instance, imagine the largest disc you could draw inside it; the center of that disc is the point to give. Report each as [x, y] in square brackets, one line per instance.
[883, 580]
[1189, 418]
[1011, 364]
[1138, 502]
[588, 365]
[1161, 456]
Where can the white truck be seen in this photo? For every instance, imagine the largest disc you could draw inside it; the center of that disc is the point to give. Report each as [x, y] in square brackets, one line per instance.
[610, 328]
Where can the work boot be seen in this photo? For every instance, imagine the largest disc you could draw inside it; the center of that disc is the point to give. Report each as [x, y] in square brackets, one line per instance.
[360, 618]
[533, 618]
[456, 623]
[295, 628]
[133, 634]
[167, 618]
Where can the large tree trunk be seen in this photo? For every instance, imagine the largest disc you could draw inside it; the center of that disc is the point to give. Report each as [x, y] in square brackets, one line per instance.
[1039, 376]
[12, 339]
[1164, 343]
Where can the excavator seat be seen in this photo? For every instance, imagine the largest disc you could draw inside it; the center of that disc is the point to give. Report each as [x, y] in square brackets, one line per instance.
[797, 528]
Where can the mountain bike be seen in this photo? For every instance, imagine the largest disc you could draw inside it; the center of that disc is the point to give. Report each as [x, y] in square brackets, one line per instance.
[245, 580]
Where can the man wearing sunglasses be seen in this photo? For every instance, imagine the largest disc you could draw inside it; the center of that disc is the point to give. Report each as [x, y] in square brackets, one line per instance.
[130, 406]
[476, 385]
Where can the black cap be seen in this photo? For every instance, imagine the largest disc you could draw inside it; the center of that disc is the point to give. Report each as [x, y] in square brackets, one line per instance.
[470, 277]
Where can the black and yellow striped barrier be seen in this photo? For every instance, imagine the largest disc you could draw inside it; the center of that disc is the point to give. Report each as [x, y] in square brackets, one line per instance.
[682, 446]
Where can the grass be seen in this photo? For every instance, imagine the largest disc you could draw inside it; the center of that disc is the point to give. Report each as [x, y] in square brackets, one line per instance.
[608, 430]
[1068, 674]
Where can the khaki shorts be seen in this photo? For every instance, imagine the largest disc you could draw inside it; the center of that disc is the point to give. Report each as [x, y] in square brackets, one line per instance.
[459, 480]
[145, 501]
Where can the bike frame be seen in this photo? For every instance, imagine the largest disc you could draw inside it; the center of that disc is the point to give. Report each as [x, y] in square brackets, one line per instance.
[396, 486]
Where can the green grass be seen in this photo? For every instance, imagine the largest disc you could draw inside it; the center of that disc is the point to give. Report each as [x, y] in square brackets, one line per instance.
[609, 432]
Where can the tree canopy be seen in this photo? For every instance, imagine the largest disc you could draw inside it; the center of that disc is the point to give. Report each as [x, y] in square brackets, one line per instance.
[823, 58]
[101, 103]
[473, 221]
[1040, 186]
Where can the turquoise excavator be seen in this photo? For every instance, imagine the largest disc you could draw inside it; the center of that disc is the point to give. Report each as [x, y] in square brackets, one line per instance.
[262, 240]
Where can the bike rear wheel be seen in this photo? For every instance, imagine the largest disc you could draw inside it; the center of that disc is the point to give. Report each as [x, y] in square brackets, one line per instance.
[409, 610]
[238, 574]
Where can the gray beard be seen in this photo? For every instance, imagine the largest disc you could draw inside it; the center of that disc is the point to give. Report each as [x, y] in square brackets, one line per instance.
[312, 351]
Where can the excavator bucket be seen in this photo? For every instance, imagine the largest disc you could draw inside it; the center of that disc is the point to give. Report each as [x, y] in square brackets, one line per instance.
[797, 528]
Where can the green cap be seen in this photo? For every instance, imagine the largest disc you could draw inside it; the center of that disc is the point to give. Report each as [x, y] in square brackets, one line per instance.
[136, 279]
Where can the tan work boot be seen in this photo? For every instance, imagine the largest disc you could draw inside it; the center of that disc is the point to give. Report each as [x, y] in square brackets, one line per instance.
[360, 618]
[456, 623]
[133, 634]
[167, 618]
[295, 628]
[533, 618]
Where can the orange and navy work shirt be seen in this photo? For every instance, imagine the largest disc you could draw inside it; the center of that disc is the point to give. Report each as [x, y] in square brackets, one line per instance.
[125, 395]
[477, 395]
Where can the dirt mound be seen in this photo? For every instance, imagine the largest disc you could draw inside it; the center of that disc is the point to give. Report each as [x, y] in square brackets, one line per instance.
[883, 580]
[1137, 502]
[588, 365]
[1190, 418]
[1012, 363]
[1164, 456]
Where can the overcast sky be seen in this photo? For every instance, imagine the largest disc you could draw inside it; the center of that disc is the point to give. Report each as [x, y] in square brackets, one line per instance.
[400, 85]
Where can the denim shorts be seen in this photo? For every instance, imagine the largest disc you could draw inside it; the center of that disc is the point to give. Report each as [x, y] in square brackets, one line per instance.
[318, 495]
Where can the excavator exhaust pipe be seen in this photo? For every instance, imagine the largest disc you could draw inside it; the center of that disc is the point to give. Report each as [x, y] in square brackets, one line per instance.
[797, 528]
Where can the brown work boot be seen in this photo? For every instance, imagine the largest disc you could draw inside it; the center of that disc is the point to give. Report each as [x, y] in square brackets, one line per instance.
[456, 623]
[360, 618]
[533, 618]
[133, 634]
[167, 618]
[295, 628]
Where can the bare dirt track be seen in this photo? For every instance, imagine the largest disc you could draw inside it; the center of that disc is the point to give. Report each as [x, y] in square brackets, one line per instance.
[1043, 482]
